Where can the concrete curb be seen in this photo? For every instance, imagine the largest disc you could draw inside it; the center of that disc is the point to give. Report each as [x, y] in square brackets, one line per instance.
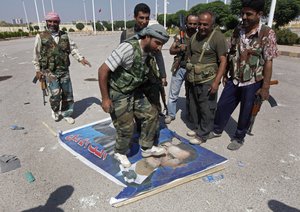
[290, 54]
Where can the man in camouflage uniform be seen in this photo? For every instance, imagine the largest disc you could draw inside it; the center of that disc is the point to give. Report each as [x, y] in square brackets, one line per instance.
[253, 47]
[122, 78]
[51, 60]
[205, 68]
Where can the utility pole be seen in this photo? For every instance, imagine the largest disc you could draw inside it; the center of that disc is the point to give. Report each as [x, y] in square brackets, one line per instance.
[26, 15]
[93, 3]
[111, 16]
[186, 5]
[52, 6]
[125, 14]
[165, 12]
[155, 9]
[271, 14]
[84, 9]
[44, 8]
[37, 15]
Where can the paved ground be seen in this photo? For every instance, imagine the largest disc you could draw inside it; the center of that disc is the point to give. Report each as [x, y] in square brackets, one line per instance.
[262, 176]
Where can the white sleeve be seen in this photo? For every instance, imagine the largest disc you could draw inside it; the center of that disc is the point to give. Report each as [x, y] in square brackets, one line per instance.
[74, 50]
[36, 52]
[121, 56]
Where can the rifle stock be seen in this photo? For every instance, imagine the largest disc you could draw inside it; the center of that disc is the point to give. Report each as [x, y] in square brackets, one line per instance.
[256, 108]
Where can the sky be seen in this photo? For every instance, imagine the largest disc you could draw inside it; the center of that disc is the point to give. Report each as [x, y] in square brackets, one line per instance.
[73, 10]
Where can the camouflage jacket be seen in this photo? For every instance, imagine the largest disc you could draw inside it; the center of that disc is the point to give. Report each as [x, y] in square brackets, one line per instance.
[246, 60]
[54, 56]
[126, 81]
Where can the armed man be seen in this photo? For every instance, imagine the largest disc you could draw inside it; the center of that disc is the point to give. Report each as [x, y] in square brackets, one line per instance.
[178, 70]
[122, 79]
[253, 47]
[205, 68]
[51, 61]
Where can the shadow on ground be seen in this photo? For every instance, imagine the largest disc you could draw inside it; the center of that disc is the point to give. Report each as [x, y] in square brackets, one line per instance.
[83, 104]
[277, 206]
[56, 198]
[181, 105]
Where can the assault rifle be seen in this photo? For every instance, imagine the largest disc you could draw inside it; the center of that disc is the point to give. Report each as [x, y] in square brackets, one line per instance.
[43, 87]
[163, 98]
[178, 58]
[256, 107]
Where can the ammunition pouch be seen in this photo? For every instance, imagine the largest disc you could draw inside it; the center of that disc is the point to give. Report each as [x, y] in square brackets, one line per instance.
[200, 73]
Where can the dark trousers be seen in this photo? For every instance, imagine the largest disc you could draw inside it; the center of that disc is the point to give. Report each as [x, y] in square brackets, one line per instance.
[202, 108]
[231, 96]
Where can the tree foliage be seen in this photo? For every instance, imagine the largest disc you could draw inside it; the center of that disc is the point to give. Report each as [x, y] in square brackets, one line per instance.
[221, 11]
[79, 26]
[36, 28]
[286, 11]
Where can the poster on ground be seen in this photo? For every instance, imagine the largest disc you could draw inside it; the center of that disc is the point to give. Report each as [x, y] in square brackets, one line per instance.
[94, 144]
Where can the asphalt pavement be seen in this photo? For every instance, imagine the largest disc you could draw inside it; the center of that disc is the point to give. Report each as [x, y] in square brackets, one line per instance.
[262, 176]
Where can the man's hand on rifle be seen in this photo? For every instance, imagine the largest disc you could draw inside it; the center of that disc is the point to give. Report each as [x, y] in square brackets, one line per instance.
[85, 62]
[264, 93]
[39, 75]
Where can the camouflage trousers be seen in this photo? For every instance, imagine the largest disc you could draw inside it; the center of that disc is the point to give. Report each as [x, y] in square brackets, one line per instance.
[61, 94]
[125, 108]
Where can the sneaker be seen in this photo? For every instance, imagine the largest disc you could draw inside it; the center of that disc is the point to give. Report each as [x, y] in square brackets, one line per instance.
[122, 159]
[69, 119]
[197, 140]
[154, 151]
[169, 119]
[212, 135]
[235, 144]
[191, 133]
[55, 116]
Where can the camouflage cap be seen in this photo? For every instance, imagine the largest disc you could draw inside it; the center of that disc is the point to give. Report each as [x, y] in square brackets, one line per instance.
[157, 31]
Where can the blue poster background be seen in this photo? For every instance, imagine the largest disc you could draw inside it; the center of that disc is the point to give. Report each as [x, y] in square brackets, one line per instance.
[95, 143]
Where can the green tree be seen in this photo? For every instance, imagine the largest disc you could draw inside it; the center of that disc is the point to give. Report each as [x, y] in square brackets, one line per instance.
[119, 25]
[36, 28]
[64, 29]
[130, 24]
[286, 11]
[79, 26]
[221, 11]
[71, 30]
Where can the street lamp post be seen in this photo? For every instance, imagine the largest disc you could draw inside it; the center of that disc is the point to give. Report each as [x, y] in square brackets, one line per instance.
[165, 12]
[111, 16]
[44, 8]
[26, 15]
[84, 10]
[37, 15]
[272, 11]
[93, 4]
[52, 6]
[124, 14]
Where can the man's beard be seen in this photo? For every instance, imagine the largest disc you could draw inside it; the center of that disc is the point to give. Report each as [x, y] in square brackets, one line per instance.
[191, 30]
[52, 28]
[150, 50]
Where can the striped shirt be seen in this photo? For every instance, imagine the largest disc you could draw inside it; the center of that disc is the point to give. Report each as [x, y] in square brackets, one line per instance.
[123, 56]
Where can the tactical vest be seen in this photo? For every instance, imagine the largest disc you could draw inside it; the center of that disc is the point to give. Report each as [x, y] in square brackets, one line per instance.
[199, 72]
[125, 81]
[55, 56]
[129, 32]
[245, 65]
